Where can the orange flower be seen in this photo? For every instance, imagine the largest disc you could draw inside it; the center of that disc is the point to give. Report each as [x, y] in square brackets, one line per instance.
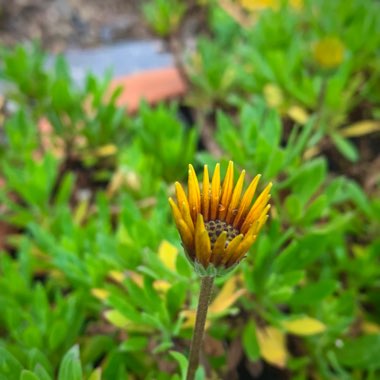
[217, 225]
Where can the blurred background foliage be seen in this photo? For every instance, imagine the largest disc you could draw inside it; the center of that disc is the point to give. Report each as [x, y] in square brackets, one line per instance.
[93, 280]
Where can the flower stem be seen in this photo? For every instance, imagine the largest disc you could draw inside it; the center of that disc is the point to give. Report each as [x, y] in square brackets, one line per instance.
[200, 321]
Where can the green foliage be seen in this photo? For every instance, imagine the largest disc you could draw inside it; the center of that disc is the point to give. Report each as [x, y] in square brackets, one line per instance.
[164, 17]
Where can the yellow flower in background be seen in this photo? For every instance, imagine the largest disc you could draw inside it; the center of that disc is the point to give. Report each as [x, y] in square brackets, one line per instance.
[329, 52]
[258, 5]
[217, 225]
[255, 5]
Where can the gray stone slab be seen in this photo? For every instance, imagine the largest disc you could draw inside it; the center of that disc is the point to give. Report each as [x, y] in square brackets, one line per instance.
[121, 58]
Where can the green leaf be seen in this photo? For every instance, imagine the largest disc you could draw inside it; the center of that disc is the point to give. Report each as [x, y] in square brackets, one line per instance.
[9, 365]
[57, 334]
[345, 147]
[182, 361]
[293, 207]
[175, 297]
[200, 373]
[42, 373]
[28, 375]
[135, 343]
[36, 360]
[313, 293]
[360, 353]
[251, 347]
[70, 368]
[307, 179]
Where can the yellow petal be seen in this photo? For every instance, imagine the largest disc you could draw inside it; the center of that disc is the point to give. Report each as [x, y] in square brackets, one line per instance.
[272, 346]
[256, 209]
[231, 248]
[180, 194]
[168, 255]
[186, 236]
[242, 249]
[205, 194]
[185, 212]
[227, 296]
[263, 218]
[194, 193]
[218, 250]
[202, 242]
[259, 221]
[175, 210]
[232, 208]
[246, 201]
[304, 326]
[228, 185]
[215, 192]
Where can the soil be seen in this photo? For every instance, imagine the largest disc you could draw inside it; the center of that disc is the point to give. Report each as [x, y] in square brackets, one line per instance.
[62, 24]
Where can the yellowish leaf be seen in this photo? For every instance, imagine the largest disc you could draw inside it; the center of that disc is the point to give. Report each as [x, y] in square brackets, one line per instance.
[117, 276]
[117, 181]
[235, 12]
[361, 128]
[106, 150]
[96, 374]
[311, 152]
[273, 95]
[100, 294]
[117, 319]
[137, 278]
[225, 299]
[189, 316]
[297, 5]
[272, 346]
[298, 114]
[133, 180]
[227, 296]
[81, 211]
[370, 327]
[304, 326]
[359, 251]
[161, 285]
[168, 254]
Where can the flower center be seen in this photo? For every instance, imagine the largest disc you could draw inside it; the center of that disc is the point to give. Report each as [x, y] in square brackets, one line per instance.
[216, 227]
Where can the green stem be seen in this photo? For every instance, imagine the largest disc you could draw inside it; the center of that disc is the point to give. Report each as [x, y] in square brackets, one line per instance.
[200, 321]
[321, 101]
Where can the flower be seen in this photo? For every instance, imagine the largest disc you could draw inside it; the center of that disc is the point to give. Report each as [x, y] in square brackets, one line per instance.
[329, 52]
[258, 5]
[217, 225]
